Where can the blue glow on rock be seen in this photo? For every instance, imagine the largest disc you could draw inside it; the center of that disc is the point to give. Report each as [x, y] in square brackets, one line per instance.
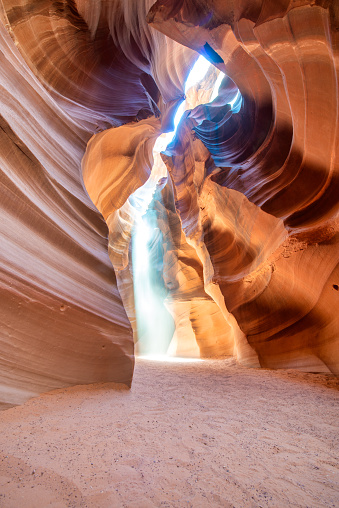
[154, 324]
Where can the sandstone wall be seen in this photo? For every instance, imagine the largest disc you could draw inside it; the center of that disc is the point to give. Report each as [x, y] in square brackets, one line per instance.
[248, 214]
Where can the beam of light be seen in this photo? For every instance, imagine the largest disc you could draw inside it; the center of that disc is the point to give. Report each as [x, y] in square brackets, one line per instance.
[154, 324]
[198, 72]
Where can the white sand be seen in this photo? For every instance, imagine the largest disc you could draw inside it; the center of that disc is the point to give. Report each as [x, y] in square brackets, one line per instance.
[186, 435]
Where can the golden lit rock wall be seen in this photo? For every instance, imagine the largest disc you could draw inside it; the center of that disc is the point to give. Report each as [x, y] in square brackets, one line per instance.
[62, 321]
[248, 216]
[281, 152]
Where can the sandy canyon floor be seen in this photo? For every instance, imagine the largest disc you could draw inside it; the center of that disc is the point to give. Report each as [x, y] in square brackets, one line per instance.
[205, 434]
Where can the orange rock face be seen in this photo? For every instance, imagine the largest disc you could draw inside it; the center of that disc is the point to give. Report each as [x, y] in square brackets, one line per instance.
[281, 152]
[245, 200]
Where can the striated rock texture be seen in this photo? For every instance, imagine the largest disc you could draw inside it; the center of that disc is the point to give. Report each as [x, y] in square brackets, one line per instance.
[245, 202]
[281, 152]
[62, 321]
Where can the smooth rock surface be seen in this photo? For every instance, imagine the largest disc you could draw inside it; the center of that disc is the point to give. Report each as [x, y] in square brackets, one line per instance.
[246, 248]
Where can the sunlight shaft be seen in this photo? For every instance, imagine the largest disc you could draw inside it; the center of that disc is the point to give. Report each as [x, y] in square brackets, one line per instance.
[154, 324]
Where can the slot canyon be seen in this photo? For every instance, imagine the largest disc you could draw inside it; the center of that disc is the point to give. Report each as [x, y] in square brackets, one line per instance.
[169, 319]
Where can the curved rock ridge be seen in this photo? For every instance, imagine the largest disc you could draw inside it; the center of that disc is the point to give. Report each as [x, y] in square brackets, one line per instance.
[261, 150]
[62, 320]
[99, 60]
[285, 106]
[280, 151]
[245, 210]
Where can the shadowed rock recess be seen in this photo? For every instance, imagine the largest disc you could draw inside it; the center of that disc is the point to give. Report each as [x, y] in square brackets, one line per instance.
[244, 209]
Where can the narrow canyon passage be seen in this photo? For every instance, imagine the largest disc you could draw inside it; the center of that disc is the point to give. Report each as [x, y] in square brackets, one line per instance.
[243, 243]
[126, 233]
[200, 434]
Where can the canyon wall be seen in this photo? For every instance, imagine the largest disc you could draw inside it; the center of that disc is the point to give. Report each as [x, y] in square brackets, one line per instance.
[280, 151]
[246, 247]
